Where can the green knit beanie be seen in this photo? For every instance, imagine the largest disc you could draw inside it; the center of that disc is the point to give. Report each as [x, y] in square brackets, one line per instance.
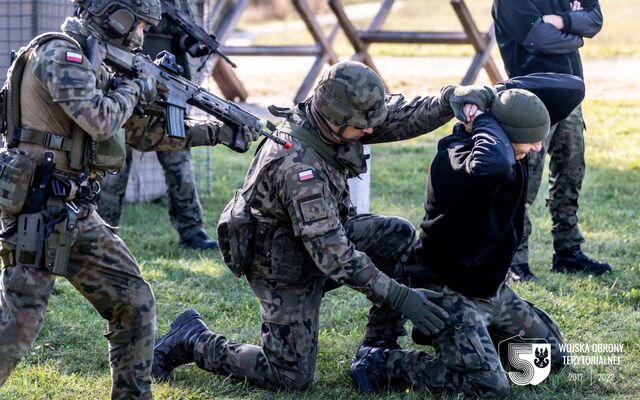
[522, 115]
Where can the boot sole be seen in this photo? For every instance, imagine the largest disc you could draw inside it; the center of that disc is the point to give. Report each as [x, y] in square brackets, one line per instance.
[182, 319]
[570, 270]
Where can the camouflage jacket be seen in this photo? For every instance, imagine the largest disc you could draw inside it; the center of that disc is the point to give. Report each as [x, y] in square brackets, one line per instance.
[298, 188]
[72, 86]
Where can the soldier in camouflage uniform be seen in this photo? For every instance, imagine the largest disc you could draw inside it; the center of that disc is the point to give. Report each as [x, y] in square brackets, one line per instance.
[308, 238]
[472, 227]
[76, 119]
[544, 36]
[185, 211]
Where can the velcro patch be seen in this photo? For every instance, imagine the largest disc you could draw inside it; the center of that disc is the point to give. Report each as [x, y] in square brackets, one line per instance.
[74, 57]
[306, 175]
[313, 210]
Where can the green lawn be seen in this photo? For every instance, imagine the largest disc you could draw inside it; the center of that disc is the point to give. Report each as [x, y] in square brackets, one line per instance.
[618, 38]
[69, 359]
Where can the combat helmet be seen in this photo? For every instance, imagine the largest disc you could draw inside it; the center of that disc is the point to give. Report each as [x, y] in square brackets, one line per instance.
[350, 93]
[117, 19]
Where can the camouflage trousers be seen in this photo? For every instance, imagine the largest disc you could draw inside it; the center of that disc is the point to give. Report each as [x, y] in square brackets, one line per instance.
[290, 295]
[466, 359]
[565, 146]
[185, 210]
[103, 270]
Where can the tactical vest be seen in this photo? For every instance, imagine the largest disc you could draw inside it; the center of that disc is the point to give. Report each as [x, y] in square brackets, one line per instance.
[237, 225]
[84, 154]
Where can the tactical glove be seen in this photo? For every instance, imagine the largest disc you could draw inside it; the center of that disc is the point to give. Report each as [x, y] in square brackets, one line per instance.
[148, 91]
[481, 96]
[415, 305]
[236, 138]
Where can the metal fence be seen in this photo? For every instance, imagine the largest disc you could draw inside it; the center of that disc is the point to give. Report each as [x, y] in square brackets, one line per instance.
[20, 21]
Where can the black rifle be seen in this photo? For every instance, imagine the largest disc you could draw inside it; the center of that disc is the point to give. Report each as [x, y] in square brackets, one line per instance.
[197, 41]
[176, 92]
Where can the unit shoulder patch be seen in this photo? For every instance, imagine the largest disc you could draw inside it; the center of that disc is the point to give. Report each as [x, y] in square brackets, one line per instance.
[313, 209]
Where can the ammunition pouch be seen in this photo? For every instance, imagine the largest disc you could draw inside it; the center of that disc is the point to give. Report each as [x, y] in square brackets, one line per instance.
[236, 231]
[17, 171]
[109, 154]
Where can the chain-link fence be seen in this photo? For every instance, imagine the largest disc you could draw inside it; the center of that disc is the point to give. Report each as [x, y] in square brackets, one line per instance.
[20, 21]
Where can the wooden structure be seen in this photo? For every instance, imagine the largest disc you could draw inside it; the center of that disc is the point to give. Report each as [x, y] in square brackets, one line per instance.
[482, 42]
[225, 15]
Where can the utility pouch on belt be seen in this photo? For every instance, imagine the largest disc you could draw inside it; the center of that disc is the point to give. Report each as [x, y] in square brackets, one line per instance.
[110, 154]
[236, 234]
[16, 176]
[58, 244]
[29, 239]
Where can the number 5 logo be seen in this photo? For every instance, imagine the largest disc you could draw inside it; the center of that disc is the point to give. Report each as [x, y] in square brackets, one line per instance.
[529, 363]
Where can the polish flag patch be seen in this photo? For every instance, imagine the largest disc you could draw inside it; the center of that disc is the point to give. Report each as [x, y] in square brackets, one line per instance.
[305, 175]
[74, 57]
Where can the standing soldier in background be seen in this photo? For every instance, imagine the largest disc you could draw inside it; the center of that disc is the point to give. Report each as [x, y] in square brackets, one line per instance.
[307, 238]
[185, 210]
[544, 36]
[63, 116]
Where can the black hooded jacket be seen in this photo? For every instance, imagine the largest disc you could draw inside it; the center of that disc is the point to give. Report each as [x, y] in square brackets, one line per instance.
[476, 194]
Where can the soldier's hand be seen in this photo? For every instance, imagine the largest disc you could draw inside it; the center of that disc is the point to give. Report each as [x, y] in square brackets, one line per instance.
[148, 91]
[480, 96]
[415, 305]
[237, 138]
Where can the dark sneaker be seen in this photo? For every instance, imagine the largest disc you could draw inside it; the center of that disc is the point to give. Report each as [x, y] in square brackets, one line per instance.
[200, 241]
[177, 346]
[520, 273]
[369, 369]
[574, 260]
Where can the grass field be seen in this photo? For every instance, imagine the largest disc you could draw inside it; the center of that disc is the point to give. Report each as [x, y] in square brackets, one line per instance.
[69, 359]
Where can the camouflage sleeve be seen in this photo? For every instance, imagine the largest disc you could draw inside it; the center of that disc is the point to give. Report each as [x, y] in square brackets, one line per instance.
[407, 120]
[315, 219]
[145, 133]
[66, 73]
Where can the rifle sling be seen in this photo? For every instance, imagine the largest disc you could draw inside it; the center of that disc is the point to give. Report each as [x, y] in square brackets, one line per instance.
[324, 150]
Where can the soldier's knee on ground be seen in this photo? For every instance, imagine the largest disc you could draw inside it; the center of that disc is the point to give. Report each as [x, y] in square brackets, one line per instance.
[297, 380]
[499, 387]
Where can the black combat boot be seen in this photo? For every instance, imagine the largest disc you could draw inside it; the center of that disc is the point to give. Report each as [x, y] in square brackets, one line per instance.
[520, 273]
[177, 346]
[369, 369]
[574, 260]
[200, 241]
